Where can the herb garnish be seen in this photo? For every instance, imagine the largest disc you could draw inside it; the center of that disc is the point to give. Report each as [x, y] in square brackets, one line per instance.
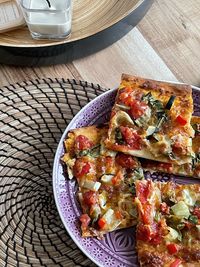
[119, 137]
[93, 152]
[193, 219]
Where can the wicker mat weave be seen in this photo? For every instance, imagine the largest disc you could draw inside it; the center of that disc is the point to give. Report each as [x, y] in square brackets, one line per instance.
[33, 116]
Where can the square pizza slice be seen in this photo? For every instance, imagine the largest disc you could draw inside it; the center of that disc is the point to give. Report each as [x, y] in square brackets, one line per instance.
[188, 169]
[151, 119]
[168, 231]
[106, 190]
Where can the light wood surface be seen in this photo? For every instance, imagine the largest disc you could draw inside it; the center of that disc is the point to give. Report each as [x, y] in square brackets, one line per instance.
[164, 45]
[89, 17]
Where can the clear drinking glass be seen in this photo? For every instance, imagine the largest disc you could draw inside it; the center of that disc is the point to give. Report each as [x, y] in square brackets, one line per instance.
[48, 19]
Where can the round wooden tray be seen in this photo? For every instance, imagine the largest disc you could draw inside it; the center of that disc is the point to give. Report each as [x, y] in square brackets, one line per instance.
[89, 18]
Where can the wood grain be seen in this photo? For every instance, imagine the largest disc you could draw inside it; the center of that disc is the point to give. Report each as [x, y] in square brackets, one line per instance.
[173, 29]
[132, 54]
[165, 45]
[89, 17]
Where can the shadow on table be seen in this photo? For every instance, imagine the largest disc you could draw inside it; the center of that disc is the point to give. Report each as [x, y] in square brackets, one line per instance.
[68, 52]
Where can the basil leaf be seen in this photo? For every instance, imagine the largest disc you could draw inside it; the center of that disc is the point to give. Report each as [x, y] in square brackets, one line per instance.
[93, 152]
[193, 219]
[132, 189]
[197, 204]
[157, 216]
[118, 136]
[156, 104]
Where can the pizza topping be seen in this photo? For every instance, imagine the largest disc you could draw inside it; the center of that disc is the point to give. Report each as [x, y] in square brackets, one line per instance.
[196, 127]
[90, 198]
[181, 210]
[170, 102]
[107, 178]
[143, 232]
[156, 104]
[118, 178]
[176, 263]
[143, 191]
[123, 106]
[196, 212]
[147, 213]
[82, 168]
[101, 223]
[157, 216]
[172, 248]
[95, 212]
[143, 120]
[150, 130]
[82, 143]
[88, 184]
[131, 137]
[138, 174]
[102, 200]
[118, 136]
[181, 145]
[172, 235]
[189, 197]
[164, 208]
[85, 220]
[126, 161]
[181, 120]
[193, 219]
[118, 215]
[137, 109]
[196, 160]
[151, 259]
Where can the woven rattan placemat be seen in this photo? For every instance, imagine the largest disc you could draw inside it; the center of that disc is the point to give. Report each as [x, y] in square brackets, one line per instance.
[33, 116]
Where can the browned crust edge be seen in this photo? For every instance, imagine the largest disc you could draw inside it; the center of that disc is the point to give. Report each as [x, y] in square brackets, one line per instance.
[180, 89]
[195, 119]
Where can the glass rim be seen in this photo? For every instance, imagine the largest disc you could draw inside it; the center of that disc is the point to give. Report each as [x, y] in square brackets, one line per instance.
[43, 9]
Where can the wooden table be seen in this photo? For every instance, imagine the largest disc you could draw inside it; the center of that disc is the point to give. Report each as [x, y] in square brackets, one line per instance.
[164, 45]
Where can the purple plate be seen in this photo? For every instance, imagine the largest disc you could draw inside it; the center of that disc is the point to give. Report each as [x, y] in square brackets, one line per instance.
[118, 248]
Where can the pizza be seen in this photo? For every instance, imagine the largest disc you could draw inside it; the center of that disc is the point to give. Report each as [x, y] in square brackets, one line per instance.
[168, 230]
[105, 178]
[151, 120]
[151, 127]
[188, 169]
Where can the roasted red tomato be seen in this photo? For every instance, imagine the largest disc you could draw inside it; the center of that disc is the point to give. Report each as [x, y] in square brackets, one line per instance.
[82, 143]
[196, 212]
[181, 121]
[137, 109]
[81, 168]
[125, 96]
[172, 248]
[85, 220]
[101, 223]
[147, 215]
[90, 197]
[143, 190]
[164, 208]
[131, 137]
[143, 232]
[126, 161]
